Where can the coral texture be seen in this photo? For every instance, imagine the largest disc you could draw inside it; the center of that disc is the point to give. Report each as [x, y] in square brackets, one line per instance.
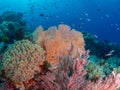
[56, 40]
[21, 61]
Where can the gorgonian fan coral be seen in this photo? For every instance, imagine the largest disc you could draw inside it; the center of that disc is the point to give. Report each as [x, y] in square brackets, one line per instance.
[56, 40]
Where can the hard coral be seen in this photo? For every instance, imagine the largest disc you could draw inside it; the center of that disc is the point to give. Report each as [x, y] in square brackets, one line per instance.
[21, 61]
[58, 40]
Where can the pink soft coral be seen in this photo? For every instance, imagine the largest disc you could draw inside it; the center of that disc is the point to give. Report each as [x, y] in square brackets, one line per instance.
[78, 81]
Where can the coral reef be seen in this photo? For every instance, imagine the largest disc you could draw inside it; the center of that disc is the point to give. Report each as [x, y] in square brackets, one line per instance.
[104, 55]
[94, 71]
[58, 40]
[101, 48]
[55, 59]
[12, 27]
[77, 80]
[21, 61]
[13, 17]
[107, 65]
[3, 46]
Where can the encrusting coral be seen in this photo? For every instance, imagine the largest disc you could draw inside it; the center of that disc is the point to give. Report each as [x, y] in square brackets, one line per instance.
[21, 61]
[58, 40]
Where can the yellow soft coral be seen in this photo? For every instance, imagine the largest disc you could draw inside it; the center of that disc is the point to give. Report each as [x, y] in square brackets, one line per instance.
[57, 40]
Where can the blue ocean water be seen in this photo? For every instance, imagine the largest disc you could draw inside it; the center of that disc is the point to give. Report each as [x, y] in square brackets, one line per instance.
[98, 17]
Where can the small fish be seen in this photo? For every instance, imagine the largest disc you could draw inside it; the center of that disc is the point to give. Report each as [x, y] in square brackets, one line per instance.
[110, 53]
[80, 18]
[116, 24]
[88, 19]
[107, 15]
[86, 14]
[57, 16]
[41, 14]
[98, 9]
[95, 36]
[118, 28]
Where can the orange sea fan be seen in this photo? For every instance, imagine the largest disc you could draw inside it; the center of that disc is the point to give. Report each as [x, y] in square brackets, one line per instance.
[57, 40]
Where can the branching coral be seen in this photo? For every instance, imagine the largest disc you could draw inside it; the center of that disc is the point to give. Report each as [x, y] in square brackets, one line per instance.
[21, 61]
[56, 40]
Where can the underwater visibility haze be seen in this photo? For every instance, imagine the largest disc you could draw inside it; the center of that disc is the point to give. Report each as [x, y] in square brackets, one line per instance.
[59, 45]
[96, 16]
